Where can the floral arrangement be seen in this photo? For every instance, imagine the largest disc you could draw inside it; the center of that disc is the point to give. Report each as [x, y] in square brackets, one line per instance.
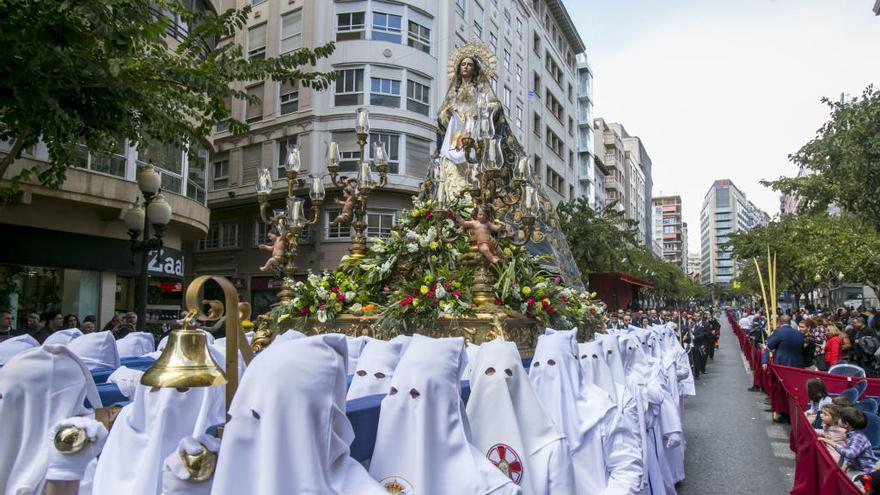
[417, 276]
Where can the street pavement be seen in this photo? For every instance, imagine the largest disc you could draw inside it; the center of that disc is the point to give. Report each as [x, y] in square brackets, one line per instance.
[733, 447]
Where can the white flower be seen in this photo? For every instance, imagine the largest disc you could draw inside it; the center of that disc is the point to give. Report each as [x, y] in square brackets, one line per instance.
[349, 296]
[386, 266]
[378, 248]
[322, 293]
[356, 308]
[412, 247]
[322, 315]
[296, 301]
[314, 280]
[441, 292]
[454, 252]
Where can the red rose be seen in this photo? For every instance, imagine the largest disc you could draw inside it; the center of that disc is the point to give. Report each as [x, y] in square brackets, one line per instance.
[334, 290]
[322, 304]
[498, 301]
[430, 294]
[304, 310]
[530, 303]
[593, 311]
[456, 293]
[340, 298]
[428, 215]
[406, 301]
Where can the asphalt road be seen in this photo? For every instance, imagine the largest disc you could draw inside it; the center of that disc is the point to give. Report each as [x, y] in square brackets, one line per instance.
[733, 447]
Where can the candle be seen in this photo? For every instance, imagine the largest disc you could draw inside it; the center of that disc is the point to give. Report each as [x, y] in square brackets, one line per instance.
[316, 192]
[381, 158]
[523, 168]
[363, 121]
[333, 154]
[441, 195]
[528, 204]
[293, 163]
[365, 178]
[295, 212]
[264, 180]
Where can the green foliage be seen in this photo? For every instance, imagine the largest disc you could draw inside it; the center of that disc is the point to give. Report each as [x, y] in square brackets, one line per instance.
[811, 250]
[424, 273]
[841, 163]
[606, 241]
[96, 71]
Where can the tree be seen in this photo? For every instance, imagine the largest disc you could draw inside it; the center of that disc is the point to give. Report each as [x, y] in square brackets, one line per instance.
[811, 250]
[605, 240]
[95, 71]
[841, 163]
[599, 239]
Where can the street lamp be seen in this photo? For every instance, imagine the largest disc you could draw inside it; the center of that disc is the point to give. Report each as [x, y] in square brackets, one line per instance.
[154, 210]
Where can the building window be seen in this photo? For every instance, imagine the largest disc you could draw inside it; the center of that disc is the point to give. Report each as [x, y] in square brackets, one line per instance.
[506, 96]
[168, 161]
[254, 110]
[385, 92]
[350, 26]
[536, 125]
[478, 29]
[536, 84]
[493, 41]
[220, 172]
[507, 16]
[519, 28]
[338, 231]
[288, 98]
[281, 152]
[112, 164]
[554, 181]
[419, 37]
[291, 31]
[506, 59]
[519, 74]
[391, 143]
[519, 116]
[387, 27]
[380, 223]
[417, 97]
[536, 44]
[221, 236]
[459, 6]
[257, 42]
[350, 87]
[348, 161]
[196, 172]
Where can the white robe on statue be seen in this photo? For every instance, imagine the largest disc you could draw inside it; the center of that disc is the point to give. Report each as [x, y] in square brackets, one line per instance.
[288, 431]
[38, 388]
[422, 442]
[512, 428]
[375, 368]
[604, 448]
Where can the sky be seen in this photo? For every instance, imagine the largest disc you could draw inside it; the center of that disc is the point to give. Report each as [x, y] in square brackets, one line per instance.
[724, 89]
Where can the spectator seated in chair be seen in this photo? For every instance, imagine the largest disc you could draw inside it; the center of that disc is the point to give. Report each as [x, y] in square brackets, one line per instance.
[856, 452]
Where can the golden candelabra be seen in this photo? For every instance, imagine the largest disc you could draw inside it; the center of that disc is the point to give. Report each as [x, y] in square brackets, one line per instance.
[289, 223]
[488, 190]
[359, 187]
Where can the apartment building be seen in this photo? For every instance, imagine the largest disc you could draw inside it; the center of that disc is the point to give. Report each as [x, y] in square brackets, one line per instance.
[391, 57]
[725, 211]
[670, 231]
[628, 182]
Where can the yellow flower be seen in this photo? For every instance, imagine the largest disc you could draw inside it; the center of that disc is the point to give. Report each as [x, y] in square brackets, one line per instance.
[415, 301]
[283, 317]
[526, 290]
[337, 306]
[508, 252]
[415, 213]
[433, 245]
[428, 278]
[423, 289]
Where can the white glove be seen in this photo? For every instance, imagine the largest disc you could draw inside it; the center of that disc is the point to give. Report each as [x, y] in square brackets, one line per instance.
[176, 477]
[70, 467]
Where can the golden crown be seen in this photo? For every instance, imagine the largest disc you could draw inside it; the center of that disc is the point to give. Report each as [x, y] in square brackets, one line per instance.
[475, 49]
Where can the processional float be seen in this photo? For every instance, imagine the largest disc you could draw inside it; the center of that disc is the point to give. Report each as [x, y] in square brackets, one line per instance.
[480, 255]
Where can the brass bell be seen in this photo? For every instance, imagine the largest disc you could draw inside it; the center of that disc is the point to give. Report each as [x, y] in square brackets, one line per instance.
[185, 362]
[70, 440]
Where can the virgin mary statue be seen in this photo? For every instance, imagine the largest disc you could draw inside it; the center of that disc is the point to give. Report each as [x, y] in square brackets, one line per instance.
[469, 108]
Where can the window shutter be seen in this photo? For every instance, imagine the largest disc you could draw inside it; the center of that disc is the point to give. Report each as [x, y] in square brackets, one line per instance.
[252, 157]
[417, 156]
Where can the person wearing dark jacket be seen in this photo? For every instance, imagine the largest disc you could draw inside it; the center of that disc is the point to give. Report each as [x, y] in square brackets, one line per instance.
[787, 344]
[704, 337]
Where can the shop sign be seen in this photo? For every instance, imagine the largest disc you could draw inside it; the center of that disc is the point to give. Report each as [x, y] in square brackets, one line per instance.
[167, 264]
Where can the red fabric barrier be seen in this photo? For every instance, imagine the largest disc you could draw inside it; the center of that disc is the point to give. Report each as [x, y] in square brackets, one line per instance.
[816, 473]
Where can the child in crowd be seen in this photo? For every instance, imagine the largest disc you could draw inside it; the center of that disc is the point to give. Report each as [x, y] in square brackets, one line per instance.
[857, 453]
[831, 429]
[842, 401]
[818, 398]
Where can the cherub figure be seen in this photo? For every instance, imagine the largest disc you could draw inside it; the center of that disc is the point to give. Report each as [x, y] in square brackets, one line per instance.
[347, 205]
[481, 229]
[276, 248]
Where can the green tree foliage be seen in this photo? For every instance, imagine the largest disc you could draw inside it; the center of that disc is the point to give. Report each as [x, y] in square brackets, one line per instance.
[811, 250]
[95, 71]
[841, 163]
[606, 241]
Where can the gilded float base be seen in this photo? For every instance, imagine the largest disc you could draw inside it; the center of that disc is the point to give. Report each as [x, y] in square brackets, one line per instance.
[489, 323]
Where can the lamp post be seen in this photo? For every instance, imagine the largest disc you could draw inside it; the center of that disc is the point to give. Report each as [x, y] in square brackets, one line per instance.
[154, 210]
[361, 185]
[289, 222]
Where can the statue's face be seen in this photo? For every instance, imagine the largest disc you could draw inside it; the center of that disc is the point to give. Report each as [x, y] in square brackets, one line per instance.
[481, 215]
[466, 67]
